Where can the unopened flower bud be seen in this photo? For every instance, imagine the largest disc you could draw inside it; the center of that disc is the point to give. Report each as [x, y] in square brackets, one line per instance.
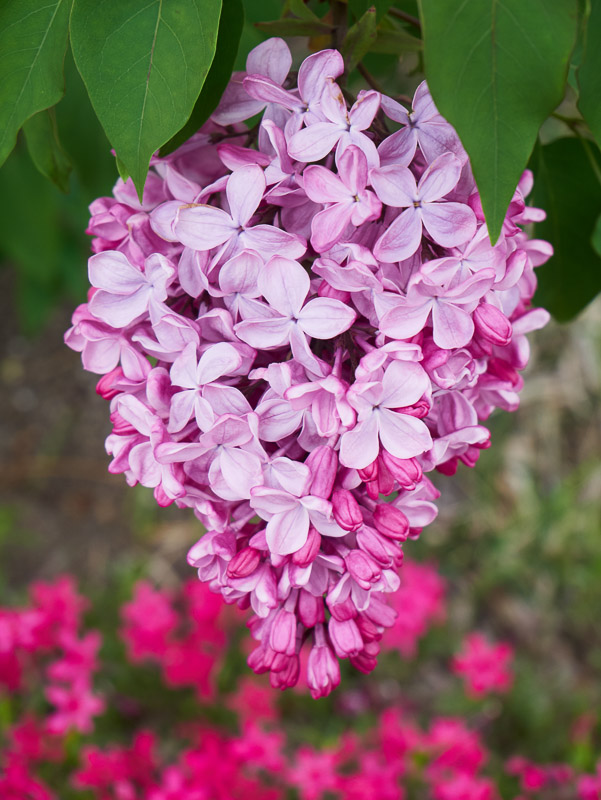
[492, 324]
[243, 563]
[391, 522]
[346, 510]
[310, 609]
[345, 637]
[307, 553]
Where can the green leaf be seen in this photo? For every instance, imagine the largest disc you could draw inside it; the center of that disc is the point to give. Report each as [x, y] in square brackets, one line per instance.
[589, 73]
[144, 63]
[33, 40]
[566, 187]
[359, 39]
[596, 237]
[394, 40]
[496, 71]
[231, 23]
[45, 149]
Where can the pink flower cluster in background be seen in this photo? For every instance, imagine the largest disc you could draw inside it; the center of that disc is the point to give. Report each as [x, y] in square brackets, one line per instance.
[298, 322]
[46, 752]
[485, 666]
[47, 633]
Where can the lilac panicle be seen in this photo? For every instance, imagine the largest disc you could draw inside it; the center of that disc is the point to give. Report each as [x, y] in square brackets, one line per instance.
[288, 347]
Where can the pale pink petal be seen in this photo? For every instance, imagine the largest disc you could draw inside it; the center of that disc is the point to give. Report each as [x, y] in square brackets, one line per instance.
[268, 91]
[325, 318]
[405, 321]
[452, 326]
[190, 271]
[364, 110]
[471, 290]
[402, 238]
[236, 105]
[267, 502]
[437, 137]
[440, 178]
[267, 240]
[203, 227]
[264, 333]
[101, 356]
[181, 410]
[284, 284]
[394, 185]
[203, 413]
[184, 368]
[328, 225]
[119, 310]
[315, 70]
[394, 110]
[244, 191]
[399, 148]
[402, 435]
[449, 224]
[271, 58]
[162, 220]
[241, 470]
[112, 271]
[219, 359]
[359, 447]
[144, 465]
[314, 142]
[287, 532]
[323, 186]
[241, 273]
[352, 168]
[403, 384]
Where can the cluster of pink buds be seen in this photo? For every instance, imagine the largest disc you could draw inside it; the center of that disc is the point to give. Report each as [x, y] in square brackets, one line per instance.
[300, 320]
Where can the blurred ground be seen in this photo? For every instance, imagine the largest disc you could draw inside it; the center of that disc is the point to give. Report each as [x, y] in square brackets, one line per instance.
[60, 510]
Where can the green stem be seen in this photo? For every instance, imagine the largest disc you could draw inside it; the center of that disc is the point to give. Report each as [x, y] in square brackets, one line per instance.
[591, 157]
[396, 12]
[340, 22]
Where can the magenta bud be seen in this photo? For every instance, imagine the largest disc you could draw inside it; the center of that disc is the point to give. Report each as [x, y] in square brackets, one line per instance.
[343, 609]
[366, 660]
[282, 636]
[327, 290]
[378, 547]
[492, 324]
[373, 489]
[106, 385]
[308, 552]
[346, 510]
[391, 522]
[369, 631]
[369, 473]
[380, 613]
[385, 478]
[406, 471]
[323, 671]
[345, 636]
[243, 563]
[363, 568]
[310, 609]
[287, 675]
[323, 463]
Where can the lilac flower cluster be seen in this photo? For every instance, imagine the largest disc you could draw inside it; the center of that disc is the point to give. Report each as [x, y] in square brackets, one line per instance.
[288, 346]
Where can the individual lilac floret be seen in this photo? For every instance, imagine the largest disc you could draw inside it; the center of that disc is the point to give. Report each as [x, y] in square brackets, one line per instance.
[289, 347]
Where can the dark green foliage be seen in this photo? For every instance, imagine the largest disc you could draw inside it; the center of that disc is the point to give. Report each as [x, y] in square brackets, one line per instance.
[568, 188]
